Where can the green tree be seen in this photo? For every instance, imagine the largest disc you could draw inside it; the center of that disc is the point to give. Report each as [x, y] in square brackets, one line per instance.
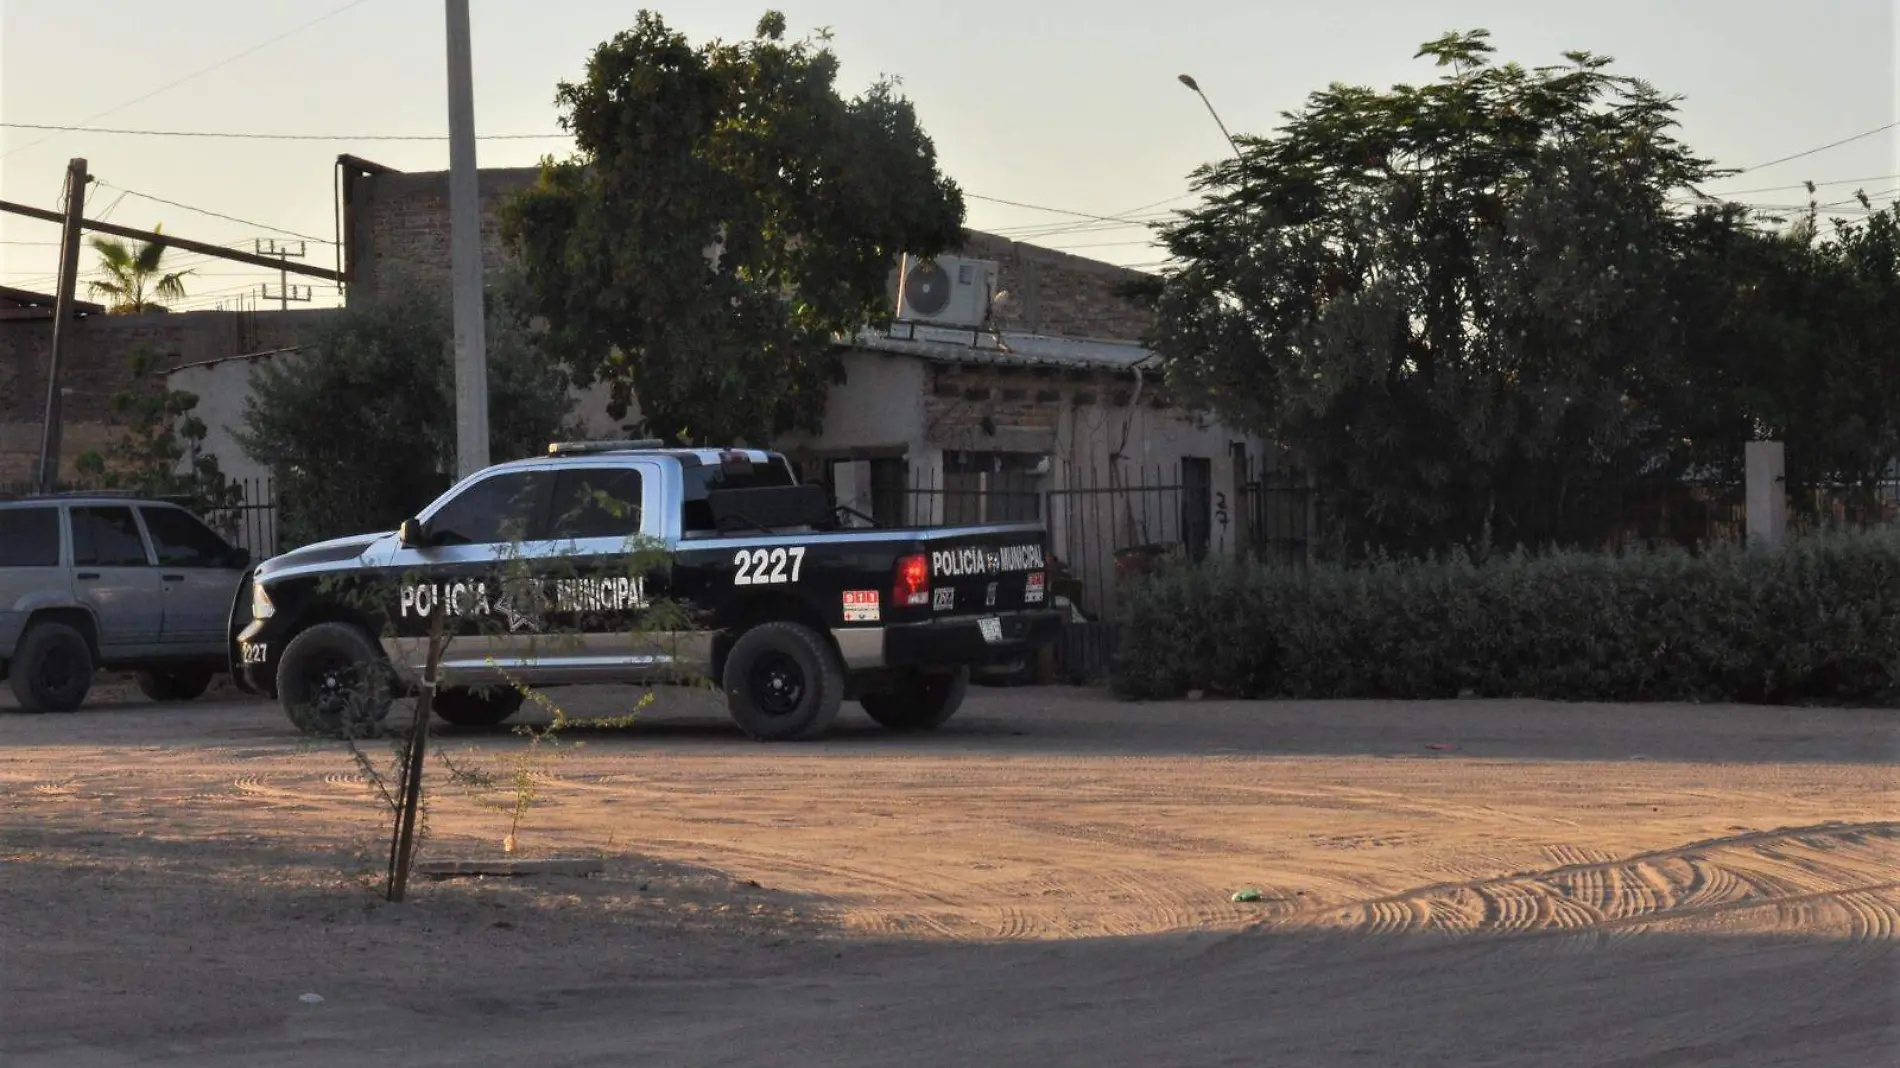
[1457, 304]
[358, 428]
[135, 281]
[728, 215]
[1824, 375]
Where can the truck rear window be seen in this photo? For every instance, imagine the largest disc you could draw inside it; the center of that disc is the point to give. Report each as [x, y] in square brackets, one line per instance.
[698, 516]
[29, 537]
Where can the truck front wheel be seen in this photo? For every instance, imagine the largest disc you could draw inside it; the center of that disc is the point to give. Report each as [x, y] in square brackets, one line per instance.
[333, 682]
[783, 683]
[916, 701]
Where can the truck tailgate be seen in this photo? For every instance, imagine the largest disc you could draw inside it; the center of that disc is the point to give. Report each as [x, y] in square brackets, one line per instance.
[981, 571]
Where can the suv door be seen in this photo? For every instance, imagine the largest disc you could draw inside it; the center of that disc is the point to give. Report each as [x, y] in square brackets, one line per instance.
[473, 536]
[199, 573]
[114, 577]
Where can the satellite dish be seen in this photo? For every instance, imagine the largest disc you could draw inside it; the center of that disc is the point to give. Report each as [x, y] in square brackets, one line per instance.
[927, 288]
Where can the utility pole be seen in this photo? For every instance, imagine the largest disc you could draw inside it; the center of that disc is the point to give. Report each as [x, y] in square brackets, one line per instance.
[465, 254]
[270, 246]
[76, 179]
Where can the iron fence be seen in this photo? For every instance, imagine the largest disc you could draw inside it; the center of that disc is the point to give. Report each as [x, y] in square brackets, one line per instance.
[1106, 526]
[251, 523]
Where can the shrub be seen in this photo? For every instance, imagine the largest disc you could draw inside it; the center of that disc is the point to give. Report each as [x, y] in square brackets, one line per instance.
[1817, 620]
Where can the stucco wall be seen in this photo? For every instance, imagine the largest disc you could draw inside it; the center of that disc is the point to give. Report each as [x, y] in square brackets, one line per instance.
[222, 388]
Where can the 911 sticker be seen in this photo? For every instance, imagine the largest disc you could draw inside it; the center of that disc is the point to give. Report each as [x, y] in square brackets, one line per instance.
[1033, 588]
[860, 606]
[943, 598]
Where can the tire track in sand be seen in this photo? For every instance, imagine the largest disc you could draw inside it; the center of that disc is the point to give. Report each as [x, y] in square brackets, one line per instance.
[1811, 876]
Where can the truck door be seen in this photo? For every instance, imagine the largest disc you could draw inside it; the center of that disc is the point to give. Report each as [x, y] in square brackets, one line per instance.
[477, 542]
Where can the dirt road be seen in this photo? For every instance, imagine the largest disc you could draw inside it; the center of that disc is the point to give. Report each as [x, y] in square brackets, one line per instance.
[1047, 881]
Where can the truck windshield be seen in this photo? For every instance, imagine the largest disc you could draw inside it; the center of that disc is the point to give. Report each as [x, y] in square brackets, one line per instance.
[697, 517]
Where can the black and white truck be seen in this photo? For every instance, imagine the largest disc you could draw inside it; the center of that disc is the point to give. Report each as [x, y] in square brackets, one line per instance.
[791, 610]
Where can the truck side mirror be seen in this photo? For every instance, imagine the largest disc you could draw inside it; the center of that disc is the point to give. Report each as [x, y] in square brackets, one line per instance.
[411, 534]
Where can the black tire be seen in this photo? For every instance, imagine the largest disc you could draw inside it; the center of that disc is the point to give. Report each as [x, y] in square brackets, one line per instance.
[783, 683]
[918, 702]
[475, 708]
[51, 669]
[175, 683]
[332, 682]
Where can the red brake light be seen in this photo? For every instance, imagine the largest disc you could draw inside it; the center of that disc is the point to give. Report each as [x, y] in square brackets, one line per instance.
[913, 581]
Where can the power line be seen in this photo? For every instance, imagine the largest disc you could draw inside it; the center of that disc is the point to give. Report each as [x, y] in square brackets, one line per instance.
[215, 214]
[1823, 148]
[1053, 211]
[197, 73]
[1803, 185]
[278, 137]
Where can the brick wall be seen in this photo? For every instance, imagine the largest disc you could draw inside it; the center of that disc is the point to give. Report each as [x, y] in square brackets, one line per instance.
[402, 223]
[1057, 293]
[1023, 409]
[93, 367]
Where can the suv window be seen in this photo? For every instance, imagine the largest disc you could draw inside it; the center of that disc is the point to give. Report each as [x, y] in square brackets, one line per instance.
[500, 508]
[29, 537]
[180, 540]
[578, 511]
[107, 536]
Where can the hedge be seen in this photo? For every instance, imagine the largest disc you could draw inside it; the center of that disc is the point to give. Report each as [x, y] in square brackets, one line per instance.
[1817, 620]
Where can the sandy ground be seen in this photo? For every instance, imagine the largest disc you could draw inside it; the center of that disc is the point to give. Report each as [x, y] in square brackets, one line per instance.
[1049, 880]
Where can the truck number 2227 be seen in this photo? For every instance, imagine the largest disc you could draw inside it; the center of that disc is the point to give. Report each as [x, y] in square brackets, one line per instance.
[762, 567]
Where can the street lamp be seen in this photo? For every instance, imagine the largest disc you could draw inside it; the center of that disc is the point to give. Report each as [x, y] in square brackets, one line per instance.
[1189, 81]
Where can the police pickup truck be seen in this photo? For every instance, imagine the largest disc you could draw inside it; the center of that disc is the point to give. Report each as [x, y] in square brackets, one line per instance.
[775, 599]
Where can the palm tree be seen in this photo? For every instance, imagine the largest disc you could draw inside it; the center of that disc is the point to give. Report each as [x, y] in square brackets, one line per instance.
[130, 270]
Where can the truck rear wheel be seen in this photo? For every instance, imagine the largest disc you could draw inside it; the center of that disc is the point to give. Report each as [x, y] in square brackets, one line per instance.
[476, 708]
[332, 682]
[783, 683]
[918, 702]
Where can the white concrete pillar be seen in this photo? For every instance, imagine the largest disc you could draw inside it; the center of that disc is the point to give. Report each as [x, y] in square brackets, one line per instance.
[1766, 463]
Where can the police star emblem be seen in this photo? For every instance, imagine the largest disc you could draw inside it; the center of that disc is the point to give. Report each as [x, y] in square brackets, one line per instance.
[516, 619]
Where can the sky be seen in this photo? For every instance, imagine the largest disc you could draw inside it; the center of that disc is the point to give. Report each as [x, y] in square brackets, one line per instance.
[1068, 109]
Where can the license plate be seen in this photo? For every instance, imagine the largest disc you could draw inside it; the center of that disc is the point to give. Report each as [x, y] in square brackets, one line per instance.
[991, 627]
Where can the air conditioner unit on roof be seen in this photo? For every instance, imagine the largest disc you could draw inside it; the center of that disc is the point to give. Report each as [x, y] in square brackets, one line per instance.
[945, 291]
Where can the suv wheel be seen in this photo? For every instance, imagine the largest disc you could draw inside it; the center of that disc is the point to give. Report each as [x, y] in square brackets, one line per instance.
[332, 681]
[52, 669]
[476, 708]
[174, 683]
[783, 683]
[918, 702]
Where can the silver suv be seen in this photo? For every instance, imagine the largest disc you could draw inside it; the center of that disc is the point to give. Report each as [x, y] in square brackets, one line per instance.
[92, 581]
